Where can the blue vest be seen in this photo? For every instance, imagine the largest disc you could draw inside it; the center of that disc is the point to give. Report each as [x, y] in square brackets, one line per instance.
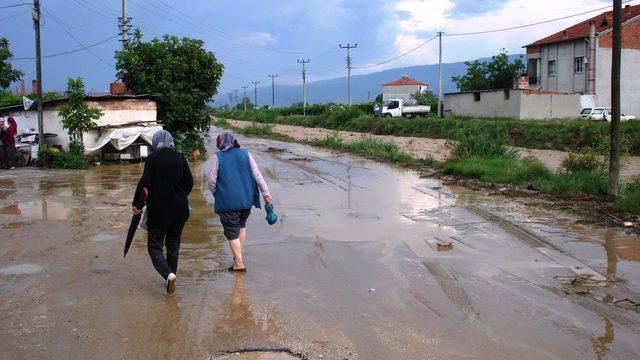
[236, 188]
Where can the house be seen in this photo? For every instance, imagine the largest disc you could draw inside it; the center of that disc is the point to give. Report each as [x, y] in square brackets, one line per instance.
[402, 88]
[131, 117]
[578, 60]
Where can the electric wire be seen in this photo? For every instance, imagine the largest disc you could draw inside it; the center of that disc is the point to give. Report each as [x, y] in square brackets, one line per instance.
[14, 15]
[78, 41]
[396, 57]
[69, 51]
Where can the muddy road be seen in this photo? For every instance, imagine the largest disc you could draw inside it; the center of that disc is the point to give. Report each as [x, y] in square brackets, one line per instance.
[368, 261]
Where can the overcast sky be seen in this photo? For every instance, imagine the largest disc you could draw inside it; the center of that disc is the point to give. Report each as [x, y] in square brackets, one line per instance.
[256, 38]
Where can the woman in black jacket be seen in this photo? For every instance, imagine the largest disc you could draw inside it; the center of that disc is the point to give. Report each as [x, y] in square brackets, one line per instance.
[168, 179]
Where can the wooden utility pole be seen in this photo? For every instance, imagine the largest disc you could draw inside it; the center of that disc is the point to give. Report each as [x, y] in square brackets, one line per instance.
[36, 25]
[614, 158]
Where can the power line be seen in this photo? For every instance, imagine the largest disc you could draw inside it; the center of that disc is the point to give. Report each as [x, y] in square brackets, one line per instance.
[69, 51]
[14, 15]
[11, 6]
[78, 41]
[397, 57]
[532, 24]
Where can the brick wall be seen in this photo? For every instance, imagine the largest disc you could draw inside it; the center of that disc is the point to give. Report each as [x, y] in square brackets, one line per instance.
[630, 36]
[124, 104]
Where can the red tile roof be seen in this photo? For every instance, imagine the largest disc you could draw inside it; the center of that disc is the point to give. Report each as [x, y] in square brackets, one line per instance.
[405, 81]
[580, 30]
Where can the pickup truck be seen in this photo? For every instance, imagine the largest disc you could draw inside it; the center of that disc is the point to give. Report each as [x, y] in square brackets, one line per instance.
[602, 113]
[399, 107]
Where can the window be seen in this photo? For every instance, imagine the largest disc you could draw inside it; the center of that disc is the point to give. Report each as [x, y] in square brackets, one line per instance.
[578, 65]
[598, 111]
[393, 105]
[534, 69]
[476, 96]
[507, 94]
[586, 111]
[551, 68]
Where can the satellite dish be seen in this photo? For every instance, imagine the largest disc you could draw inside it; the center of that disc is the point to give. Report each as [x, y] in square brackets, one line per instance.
[26, 102]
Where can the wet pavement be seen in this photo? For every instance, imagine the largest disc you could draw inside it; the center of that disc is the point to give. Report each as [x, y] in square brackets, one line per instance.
[368, 261]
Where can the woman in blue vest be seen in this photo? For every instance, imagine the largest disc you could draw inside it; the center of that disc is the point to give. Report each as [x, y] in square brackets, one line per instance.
[235, 182]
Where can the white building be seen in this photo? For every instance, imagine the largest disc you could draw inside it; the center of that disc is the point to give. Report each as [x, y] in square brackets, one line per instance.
[578, 60]
[120, 111]
[402, 88]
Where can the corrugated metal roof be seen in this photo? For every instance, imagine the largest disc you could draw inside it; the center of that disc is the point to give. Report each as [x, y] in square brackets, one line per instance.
[89, 97]
[580, 30]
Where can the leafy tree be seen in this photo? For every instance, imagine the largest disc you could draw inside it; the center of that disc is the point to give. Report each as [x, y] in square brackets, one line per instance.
[180, 72]
[379, 98]
[7, 73]
[425, 98]
[8, 98]
[495, 74]
[77, 116]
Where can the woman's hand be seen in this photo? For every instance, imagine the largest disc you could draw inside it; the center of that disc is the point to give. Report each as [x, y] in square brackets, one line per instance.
[135, 210]
[267, 199]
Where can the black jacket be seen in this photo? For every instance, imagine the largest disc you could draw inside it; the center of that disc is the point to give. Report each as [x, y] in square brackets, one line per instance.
[168, 179]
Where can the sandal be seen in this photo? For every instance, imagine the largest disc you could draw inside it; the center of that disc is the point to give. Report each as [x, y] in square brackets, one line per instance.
[238, 270]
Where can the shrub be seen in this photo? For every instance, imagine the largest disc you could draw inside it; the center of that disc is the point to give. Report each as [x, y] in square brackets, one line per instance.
[586, 161]
[476, 143]
[72, 159]
[629, 199]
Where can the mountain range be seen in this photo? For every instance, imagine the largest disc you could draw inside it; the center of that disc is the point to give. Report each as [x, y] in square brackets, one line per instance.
[363, 87]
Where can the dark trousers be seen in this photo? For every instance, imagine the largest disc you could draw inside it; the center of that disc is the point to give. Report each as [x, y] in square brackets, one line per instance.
[157, 240]
[10, 155]
[3, 155]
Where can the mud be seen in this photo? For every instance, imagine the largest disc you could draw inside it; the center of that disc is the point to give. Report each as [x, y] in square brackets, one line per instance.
[351, 271]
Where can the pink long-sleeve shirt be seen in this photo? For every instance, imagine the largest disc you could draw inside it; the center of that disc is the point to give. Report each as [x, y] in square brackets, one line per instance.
[257, 175]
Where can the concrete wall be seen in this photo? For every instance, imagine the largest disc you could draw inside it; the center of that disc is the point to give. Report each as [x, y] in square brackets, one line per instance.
[549, 106]
[491, 104]
[564, 53]
[520, 105]
[400, 92]
[629, 74]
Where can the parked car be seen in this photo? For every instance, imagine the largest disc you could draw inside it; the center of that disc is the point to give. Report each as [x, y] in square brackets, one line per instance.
[399, 107]
[602, 113]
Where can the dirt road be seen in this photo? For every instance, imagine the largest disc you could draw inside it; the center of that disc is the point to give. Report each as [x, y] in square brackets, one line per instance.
[423, 147]
[356, 268]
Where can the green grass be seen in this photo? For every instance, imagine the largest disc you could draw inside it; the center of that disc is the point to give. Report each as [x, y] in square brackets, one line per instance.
[629, 201]
[528, 172]
[536, 134]
[373, 149]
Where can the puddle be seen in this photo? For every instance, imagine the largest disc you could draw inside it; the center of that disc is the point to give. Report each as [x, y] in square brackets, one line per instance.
[103, 237]
[21, 269]
[40, 209]
[259, 355]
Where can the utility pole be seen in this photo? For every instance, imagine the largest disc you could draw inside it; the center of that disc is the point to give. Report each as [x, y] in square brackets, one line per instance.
[614, 158]
[244, 98]
[304, 85]
[349, 47]
[36, 26]
[255, 93]
[124, 23]
[235, 99]
[440, 74]
[229, 105]
[273, 90]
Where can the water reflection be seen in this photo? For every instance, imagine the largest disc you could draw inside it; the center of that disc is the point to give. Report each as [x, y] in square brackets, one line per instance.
[38, 210]
[612, 257]
[601, 344]
[237, 320]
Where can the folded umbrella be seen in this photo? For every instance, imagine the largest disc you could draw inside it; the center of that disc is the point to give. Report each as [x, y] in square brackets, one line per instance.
[135, 219]
[272, 218]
